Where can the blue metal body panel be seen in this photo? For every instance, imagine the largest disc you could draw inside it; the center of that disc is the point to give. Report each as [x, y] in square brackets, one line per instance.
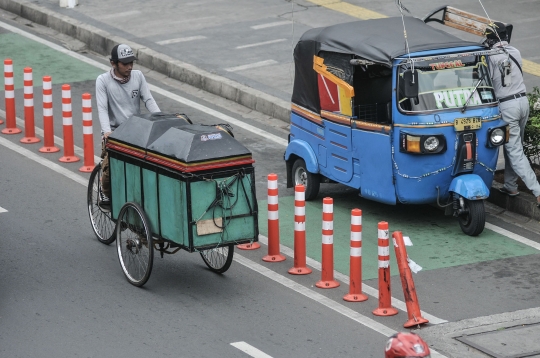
[470, 186]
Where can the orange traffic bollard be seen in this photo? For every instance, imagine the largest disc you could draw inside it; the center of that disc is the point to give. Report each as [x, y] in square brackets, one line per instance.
[9, 85]
[67, 121]
[355, 277]
[29, 123]
[327, 271]
[88, 134]
[385, 297]
[48, 125]
[299, 267]
[273, 221]
[409, 291]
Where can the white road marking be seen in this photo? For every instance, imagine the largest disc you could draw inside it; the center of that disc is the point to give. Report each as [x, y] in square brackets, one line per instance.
[270, 24]
[250, 350]
[261, 43]
[195, 19]
[120, 14]
[180, 39]
[2, 210]
[153, 88]
[251, 65]
[513, 236]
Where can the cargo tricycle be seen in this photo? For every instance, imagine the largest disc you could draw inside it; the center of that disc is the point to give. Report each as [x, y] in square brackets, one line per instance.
[174, 185]
[404, 119]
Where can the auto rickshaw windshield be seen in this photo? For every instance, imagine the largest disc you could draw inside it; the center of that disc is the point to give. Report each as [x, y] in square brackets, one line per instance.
[448, 84]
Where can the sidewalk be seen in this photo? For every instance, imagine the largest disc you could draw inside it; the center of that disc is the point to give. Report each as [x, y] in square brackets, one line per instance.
[100, 39]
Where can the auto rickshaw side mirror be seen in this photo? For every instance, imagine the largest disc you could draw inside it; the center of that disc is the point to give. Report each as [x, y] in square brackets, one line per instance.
[410, 84]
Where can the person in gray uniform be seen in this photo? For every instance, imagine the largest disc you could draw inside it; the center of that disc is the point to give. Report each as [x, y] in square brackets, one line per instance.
[118, 95]
[506, 73]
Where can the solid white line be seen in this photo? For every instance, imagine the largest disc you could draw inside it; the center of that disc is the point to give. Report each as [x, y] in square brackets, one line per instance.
[250, 350]
[270, 24]
[251, 65]
[189, 20]
[513, 236]
[181, 39]
[261, 43]
[45, 162]
[2, 210]
[153, 88]
[120, 14]
[346, 280]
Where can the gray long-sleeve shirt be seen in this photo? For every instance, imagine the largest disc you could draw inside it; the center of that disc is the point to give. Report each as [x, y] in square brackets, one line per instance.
[517, 86]
[117, 102]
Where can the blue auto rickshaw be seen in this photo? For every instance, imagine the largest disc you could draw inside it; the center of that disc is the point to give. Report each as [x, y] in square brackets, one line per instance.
[407, 120]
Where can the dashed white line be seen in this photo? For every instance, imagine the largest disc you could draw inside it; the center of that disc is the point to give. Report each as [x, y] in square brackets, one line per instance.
[261, 43]
[195, 19]
[251, 65]
[2, 210]
[120, 14]
[180, 39]
[270, 24]
[250, 350]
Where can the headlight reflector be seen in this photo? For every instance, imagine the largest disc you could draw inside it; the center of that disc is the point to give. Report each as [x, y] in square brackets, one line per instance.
[431, 144]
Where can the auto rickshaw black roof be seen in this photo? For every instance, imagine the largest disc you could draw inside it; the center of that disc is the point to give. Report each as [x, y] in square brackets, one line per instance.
[378, 40]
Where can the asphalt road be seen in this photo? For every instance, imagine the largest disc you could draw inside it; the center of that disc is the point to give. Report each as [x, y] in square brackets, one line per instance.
[63, 293]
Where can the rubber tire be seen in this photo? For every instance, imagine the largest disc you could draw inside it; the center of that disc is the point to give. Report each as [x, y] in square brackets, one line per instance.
[474, 222]
[214, 258]
[102, 222]
[311, 182]
[126, 234]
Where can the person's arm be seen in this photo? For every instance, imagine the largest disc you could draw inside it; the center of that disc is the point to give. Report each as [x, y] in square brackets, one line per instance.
[103, 106]
[147, 98]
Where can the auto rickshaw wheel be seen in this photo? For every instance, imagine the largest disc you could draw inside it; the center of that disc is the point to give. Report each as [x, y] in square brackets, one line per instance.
[134, 244]
[472, 218]
[218, 259]
[311, 182]
[101, 219]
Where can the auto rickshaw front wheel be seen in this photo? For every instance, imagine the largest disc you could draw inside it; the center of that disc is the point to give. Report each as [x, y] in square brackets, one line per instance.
[472, 216]
[310, 181]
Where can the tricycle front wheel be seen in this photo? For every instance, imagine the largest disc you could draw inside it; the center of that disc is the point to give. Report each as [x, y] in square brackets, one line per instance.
[100, 218]
[311, 182]
[134, 244]
[218, 259]
[472, 218]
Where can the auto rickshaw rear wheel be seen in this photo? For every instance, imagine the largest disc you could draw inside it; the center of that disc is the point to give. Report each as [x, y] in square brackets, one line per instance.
[310, 181]
[472, 219]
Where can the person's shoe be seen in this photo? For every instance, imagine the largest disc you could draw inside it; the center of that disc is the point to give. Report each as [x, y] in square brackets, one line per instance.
[508, 192]
[104, 202]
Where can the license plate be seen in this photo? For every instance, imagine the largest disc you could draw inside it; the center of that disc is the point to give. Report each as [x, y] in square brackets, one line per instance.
[467, 124]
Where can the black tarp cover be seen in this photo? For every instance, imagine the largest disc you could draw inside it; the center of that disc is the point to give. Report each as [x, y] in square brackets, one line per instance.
[168, 135]
[377, 40]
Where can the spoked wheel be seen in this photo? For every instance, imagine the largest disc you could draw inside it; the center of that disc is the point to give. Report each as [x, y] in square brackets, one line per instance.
[311, 182]
[472, 218]
[101, 219]
[134, 244]
[218, 259]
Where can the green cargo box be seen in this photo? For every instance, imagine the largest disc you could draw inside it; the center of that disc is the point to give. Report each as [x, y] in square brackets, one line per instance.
[195, 201]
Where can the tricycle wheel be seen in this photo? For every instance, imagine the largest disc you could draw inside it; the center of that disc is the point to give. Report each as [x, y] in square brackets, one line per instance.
[311, 182]
[218, 259]
[134, 244]
[101, 219]
[472, 219]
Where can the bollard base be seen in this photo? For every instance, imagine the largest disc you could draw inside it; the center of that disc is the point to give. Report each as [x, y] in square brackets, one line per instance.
[252, 246]
[86, 168]
[49, 149]
[327, 284]
[29, 140]
[415, 322]
[273, 258]
[355, 297]
[299, 271]
[389, 311]
[69, 159]
[11, 130]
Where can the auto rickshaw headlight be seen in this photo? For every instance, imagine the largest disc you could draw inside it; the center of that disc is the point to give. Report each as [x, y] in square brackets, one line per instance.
[497, 136]
[431, 144]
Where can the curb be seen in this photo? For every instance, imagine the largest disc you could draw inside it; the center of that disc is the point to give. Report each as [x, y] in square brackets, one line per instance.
[523, 204]
[101, 42]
